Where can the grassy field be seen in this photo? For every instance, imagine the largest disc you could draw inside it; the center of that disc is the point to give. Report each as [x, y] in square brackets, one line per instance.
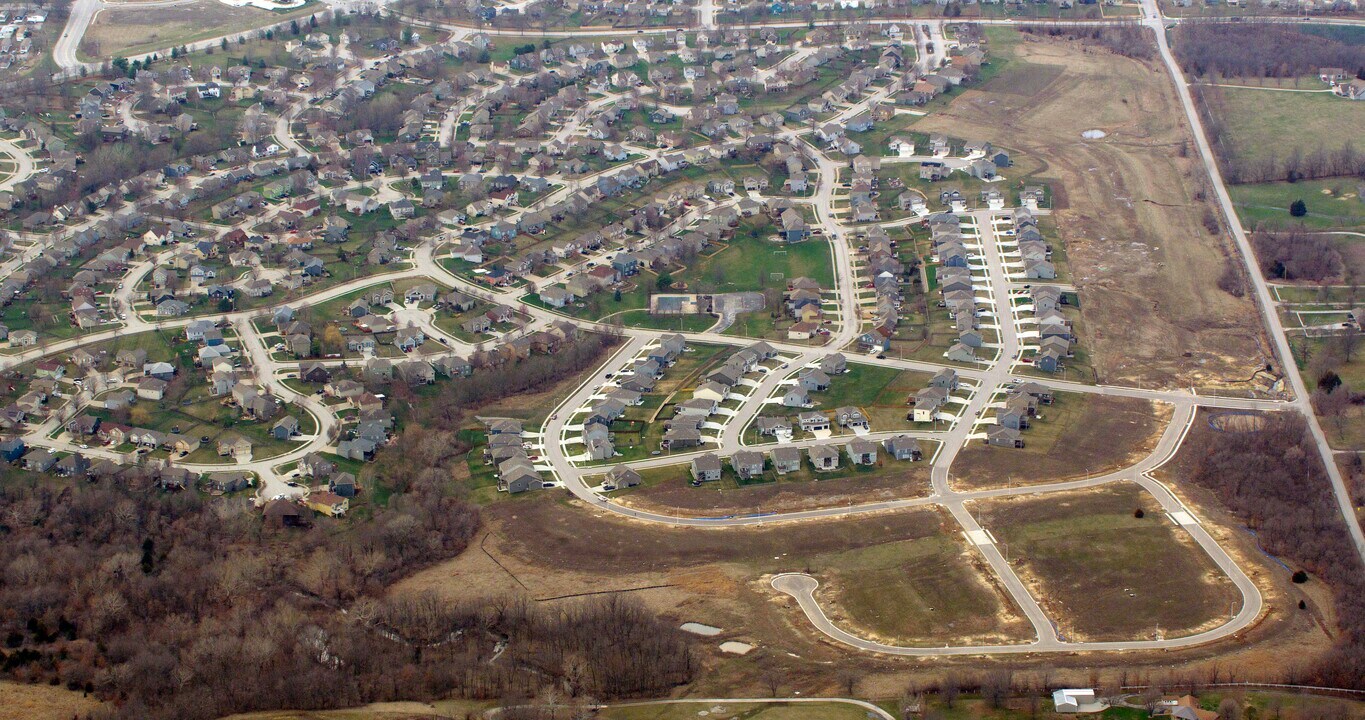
[751, 263]
[1102, 572]
[924, 591]
[133, 30]
[1270, 124]
[1078, 435]
[1334, 203]
[19, 701]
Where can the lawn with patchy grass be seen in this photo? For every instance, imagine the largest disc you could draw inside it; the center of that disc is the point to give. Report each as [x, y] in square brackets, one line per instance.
[1102, 572]
[929, 591]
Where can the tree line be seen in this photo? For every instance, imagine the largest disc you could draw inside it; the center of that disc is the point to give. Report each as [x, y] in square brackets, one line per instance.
[1260, 50]
[1127, 40]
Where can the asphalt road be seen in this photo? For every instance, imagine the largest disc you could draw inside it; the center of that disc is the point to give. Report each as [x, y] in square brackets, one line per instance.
[24, 166]
[987, 378]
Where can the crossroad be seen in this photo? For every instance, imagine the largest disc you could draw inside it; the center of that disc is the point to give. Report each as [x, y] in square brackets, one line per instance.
[986, 379]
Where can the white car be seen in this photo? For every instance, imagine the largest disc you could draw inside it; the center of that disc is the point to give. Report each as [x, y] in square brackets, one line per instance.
[84, 446]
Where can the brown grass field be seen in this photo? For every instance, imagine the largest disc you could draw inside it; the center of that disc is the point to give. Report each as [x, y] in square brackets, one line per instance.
[1078, 435]
[1145, 267]
[43, 702]
[929, 591]
[1104, 574]
[131, 30]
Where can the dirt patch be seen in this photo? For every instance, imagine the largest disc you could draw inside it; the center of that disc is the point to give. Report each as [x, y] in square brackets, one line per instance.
[1083, 435]
[569, 536]
[1147, 271]
[781, 497]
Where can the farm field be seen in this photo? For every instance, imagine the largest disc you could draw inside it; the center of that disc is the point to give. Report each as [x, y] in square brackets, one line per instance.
[1102, 572]
[1077, 436]
[1124, 211]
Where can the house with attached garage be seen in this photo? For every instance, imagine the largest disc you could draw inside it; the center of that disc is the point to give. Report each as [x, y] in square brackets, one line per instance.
[851, 418]
[1004, 437]
[773, 426]
[928, 403]
[797, 397]
[621, 476]
[862, 452]
[813, 421]
[706, 468]
[903, 447]
[823, 457]
[786, 460]
[748, 463]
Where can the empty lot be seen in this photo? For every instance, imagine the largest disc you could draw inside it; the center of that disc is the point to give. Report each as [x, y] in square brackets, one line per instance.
[1104, 574]
[929, 591]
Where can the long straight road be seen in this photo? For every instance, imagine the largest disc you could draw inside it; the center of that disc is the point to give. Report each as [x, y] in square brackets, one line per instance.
[1274, 329]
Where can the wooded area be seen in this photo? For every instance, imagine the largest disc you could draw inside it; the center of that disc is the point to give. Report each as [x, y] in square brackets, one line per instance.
[1260, 50]
[180, 605]
[1293, 254]
[1274, 480]
[1127, 40]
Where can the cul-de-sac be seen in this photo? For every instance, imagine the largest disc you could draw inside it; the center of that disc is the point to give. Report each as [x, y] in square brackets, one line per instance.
[673, 359]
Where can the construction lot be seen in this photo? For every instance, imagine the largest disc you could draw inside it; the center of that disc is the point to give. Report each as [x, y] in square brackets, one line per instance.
[1125, 211]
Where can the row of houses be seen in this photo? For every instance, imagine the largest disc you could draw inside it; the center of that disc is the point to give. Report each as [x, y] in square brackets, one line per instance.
[748, 464]
[1015, 414]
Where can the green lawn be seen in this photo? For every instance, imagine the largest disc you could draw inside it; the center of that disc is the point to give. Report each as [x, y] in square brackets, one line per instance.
[1334, 203]
[750, 262]
[1269, 124]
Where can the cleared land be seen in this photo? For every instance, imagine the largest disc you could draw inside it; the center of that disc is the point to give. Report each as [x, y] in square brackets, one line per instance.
[1077, 435]
[133, 30]
[1131, 227]
[1269, 124]
[562, 535]
[928, 591]
[1105, 574]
